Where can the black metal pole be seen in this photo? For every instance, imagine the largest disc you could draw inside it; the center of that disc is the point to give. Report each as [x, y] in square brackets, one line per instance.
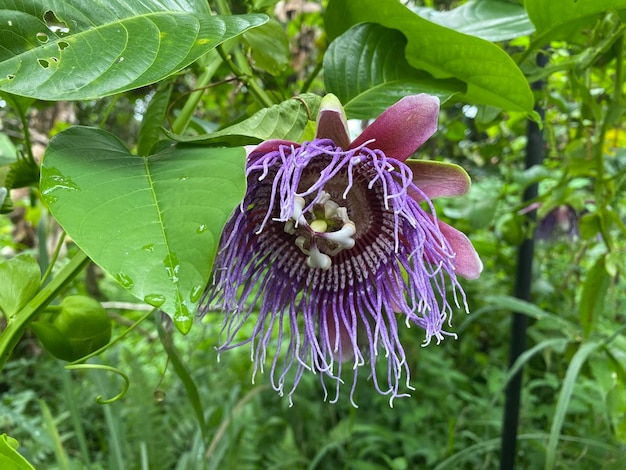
[523, 280]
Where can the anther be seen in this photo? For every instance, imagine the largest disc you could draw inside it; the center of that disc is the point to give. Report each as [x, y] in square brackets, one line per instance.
[343, 237]
[317, 259]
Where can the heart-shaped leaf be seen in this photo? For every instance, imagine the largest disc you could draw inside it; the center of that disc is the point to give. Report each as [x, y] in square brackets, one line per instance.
[286, 121]
[493, 20]
[491, 75]
[68, 50]
[366, 68]
[154, 222]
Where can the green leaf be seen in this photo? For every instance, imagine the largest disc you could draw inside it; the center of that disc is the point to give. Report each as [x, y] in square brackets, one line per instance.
[151, 130]
[491, 75]
[493, 20]
[558, 19]
[367, 70]
[10, 458]
[48, 50]
[154, 222]
[589, 225]
[286, 121]
[269, 46]
[20, 279]
[565, 395]
[531, 310]
[593, 295]
[8, 153]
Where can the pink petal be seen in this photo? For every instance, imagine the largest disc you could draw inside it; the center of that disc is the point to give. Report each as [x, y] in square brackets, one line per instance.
[467, 263]
[402, 128]
[332, 123]
[438, 179]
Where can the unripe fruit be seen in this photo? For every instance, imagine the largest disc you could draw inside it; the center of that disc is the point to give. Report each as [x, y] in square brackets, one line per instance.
[80, 328]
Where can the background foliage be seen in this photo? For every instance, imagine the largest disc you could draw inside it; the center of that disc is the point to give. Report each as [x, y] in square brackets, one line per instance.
[118, 170]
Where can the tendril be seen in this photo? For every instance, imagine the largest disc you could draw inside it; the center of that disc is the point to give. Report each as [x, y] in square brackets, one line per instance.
[99, 398]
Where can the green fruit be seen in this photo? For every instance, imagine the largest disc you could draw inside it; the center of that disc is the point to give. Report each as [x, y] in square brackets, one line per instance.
[81, 328]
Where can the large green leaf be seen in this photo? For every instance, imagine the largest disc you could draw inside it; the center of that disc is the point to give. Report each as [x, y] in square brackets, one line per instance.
[366, 68]
[151, 222]
[287, 121]
[491, 75]
[75, 50]
[558, 19]
[493, 20]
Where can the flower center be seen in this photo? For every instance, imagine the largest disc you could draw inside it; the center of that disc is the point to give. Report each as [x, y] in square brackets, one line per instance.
[322, 229]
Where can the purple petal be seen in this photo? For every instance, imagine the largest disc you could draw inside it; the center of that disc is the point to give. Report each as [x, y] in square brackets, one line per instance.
[438, 179]
[332, 123]
[404, 127]
[466, 263]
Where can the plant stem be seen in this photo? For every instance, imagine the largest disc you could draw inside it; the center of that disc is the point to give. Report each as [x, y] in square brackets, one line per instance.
[185, 377]
[213, 62]
[610, 118]
[240, 66]
[16, 324]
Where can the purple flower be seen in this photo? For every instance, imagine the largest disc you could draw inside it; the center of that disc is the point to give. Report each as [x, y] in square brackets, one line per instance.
[336, 240]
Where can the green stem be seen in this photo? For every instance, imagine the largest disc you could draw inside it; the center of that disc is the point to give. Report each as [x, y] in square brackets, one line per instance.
[16, 324]
[619, 71]
[53, 260]
[240, 66]
[108, 110]
[97, 352]
[609, 119]
[185, 377]
[24, 121]
[309, 81]
[183, 119]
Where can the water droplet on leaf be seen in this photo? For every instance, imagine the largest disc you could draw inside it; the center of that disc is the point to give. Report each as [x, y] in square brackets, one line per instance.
[53, 180]
[172, 266]
[196, 293]
[125, 280]
[156, 300]
[183, 319]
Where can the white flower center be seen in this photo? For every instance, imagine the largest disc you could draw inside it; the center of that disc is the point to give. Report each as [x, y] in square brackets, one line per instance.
[322, 231]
